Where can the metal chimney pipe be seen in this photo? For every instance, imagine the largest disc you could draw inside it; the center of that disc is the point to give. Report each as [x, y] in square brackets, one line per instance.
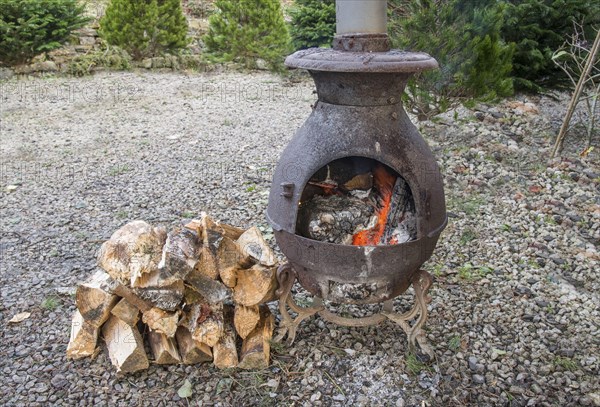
[361, 16]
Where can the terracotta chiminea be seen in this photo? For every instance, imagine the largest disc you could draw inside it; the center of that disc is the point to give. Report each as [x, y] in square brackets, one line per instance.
[357, 201]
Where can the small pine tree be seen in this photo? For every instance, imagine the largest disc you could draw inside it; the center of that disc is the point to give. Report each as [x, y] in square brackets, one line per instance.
[465, 39]
[32, 27]
[248, 30]
[313, 23]
[145, 28]
[540, 27]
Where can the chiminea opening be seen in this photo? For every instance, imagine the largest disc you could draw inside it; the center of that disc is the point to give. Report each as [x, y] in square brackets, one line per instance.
[357, 201]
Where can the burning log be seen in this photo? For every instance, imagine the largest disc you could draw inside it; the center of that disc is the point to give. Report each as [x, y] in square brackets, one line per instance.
[177, 285]
[224, 352]
[401, 224]
[125, 346]
[256, 348]
[163, 348]
[368, 209]
[84, 337]
[334, 219]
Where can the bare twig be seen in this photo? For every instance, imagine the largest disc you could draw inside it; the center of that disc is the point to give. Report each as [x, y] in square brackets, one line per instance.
[576, 94]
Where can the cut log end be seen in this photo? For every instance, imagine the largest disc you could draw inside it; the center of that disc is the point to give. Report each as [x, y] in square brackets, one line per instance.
[163, 348]
[224, 351]
[255, 285]
[162, 321]
[83, 338]
[246, 319]
[256, 348]
[126, 312]
[190, 350]
[125, 346]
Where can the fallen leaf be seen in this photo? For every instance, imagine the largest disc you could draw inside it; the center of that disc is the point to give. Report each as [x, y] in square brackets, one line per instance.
[585, 152]
[536, 189]
[185, 390]
[21, 316]
[224, 385]
[272, 383]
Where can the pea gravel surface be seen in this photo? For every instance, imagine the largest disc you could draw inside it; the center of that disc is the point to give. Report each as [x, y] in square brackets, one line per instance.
[514, 316]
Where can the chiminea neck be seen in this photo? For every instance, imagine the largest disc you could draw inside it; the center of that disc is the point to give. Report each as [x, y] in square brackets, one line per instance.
[360, 88]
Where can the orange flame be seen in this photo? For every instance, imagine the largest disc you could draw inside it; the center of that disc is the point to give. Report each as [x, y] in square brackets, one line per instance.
[384, 182]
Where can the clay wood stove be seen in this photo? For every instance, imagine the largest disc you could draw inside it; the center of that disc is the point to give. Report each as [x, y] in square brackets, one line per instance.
[357, 201]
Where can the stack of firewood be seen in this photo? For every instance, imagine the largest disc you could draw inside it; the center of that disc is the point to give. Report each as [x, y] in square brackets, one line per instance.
[193, 294]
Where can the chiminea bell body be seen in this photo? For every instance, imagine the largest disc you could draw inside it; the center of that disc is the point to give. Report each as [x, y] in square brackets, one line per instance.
[359, 113]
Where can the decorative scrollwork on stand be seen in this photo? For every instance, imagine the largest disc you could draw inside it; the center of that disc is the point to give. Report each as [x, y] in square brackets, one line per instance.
[421, 284]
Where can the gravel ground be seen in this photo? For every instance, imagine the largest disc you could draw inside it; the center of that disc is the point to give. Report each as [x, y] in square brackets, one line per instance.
[514, 317]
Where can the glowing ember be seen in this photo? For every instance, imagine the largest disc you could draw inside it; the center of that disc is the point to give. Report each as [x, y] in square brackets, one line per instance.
[384, 181]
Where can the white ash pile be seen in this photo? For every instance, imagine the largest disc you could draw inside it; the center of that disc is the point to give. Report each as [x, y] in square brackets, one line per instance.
[193, 295]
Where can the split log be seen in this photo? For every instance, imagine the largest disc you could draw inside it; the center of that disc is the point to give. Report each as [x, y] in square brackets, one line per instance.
[132, 251]
[133, 299]
[163, 348]
[231, 232]
[179, 256]
[231, 258]
[360, 181]
[125, 346]
[205, 322]
[400, 225]
[254, 245]
[126, 312]
[84, 337]
[246, 319]
[256, 348]
[334, 219]
[190, 350]
[224, 351]
[167, 298]
[211, 290]
[255, 285]
[212, 233]
[93, 302]
[191, 296]
[162, 321]
[207, 265]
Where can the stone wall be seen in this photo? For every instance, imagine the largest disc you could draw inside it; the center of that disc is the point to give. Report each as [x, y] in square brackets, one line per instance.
[87, 41]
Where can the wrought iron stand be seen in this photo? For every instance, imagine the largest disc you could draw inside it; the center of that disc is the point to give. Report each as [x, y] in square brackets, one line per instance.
[421, 283]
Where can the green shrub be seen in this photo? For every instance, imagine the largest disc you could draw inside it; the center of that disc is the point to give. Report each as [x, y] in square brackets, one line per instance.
[313, 23]
[247, 30]
[540, 27]
[106, 57]
[31, 27]
[465, 39]
[145, 28]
